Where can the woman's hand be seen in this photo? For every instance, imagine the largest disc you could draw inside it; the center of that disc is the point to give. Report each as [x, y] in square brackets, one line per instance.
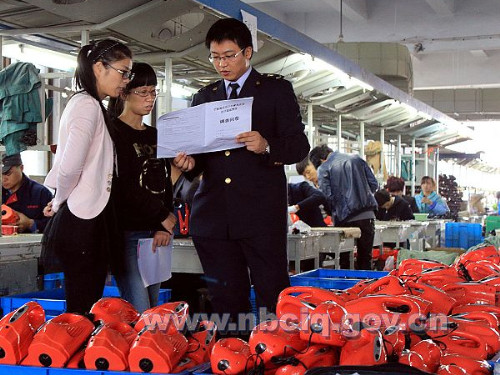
[47, 211]
[161, 238]
[184, 162]
[426, 200]
[169, 223]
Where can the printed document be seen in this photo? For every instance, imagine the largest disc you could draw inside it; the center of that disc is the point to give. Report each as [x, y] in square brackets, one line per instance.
[207, 127]
[154, 267]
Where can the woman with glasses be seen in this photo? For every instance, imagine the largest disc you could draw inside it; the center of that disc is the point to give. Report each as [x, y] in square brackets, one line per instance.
[144, 185]
[83, 229]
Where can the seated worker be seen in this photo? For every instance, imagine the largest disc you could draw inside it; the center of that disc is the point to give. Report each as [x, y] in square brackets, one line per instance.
[392, 207]
[396, 187]
[25, 196]
[308, 170]
[304, 201]
[428, 201]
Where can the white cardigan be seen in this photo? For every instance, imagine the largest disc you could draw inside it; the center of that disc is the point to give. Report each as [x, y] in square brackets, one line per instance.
[83, 168]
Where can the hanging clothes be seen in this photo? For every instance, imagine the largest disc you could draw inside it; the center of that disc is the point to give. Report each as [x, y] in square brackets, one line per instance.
[19, 106]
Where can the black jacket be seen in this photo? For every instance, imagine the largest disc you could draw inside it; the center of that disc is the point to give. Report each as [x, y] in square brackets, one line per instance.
[309, 199]
[400, 210]
[243, 194]
[349, 184]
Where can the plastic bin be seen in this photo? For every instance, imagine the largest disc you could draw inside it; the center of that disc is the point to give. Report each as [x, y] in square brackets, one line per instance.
[492, 223]
[54, 303]
[53, 280]
[333, 279]
[464, 235]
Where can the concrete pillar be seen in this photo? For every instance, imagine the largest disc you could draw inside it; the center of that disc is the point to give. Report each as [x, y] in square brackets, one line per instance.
[168, 85]
[382, 154]
[362, 139]
[426, 159]
[413, 165]
[398, 156]
[310, 124]
[339, 133]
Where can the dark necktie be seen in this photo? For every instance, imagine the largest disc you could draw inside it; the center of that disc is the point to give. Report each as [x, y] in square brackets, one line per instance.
[234, 92]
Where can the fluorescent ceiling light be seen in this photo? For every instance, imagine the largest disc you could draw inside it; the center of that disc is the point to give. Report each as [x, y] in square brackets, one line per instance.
[39, 56]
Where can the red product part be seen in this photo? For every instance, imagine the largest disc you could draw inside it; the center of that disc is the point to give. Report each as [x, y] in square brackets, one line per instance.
[169, 317]
[275, 338]
[440, 302]
[365, 349]
[156, 351]
[296, 302]
[231, 356]
[324, 325]
[112, 309]
[58, 340]
[470, 365]
[315, 356]
[17, 330]
[109, 346]
[390, 285]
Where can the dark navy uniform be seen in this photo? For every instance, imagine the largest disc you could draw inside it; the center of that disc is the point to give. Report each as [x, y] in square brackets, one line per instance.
[239, 215]
[30, 199]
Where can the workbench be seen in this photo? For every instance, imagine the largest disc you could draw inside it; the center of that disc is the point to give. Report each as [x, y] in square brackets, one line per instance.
[336, 240]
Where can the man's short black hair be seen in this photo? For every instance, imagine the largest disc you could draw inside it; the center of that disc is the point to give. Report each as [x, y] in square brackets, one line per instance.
[318, 154]
[302, 165]
[382, 197]
[229, 29]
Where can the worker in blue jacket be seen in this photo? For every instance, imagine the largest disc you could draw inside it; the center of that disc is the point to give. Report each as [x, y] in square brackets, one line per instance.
[428, 201]
[25, 196]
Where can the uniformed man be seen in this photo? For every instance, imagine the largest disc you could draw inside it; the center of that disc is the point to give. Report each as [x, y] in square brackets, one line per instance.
[25, 196]
[239, 216]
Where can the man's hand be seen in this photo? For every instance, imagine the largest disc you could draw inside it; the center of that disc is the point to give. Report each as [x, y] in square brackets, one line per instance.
[184, 162]
[161, 238]
[24, 222]
[253, 141]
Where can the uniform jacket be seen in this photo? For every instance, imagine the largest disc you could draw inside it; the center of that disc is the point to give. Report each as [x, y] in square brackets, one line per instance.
[30, 199]
[309, 199]
[243, 194]
[349, 184]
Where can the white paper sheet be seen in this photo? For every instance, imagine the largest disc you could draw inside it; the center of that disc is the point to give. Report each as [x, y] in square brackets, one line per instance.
[204, 128]
[154, 267]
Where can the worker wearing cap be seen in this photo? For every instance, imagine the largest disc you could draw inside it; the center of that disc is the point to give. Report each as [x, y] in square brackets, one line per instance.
[25, 196]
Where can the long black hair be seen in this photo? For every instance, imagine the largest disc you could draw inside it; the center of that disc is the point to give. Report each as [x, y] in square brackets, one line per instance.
[144, 75]
[106, 51]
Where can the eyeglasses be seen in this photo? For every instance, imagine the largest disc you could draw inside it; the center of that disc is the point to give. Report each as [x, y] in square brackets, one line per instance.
[126, 74]
[218, 59]
[145, 93]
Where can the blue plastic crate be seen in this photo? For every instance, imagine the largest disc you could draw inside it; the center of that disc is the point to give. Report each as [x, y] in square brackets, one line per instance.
[342, 274]
[53, 280]
[464, 235]
[54, 303]
[27, 370]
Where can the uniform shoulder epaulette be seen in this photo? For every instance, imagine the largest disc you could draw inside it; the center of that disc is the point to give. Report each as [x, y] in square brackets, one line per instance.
[275, 76]
[210, 86]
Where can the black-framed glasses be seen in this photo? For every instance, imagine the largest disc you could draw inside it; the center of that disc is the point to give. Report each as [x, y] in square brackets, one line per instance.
[144, 93]
[218, 59]
[126, 74]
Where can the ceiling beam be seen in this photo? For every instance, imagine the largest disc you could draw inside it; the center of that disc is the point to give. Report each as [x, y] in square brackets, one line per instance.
[353, 10]
[442, 7]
